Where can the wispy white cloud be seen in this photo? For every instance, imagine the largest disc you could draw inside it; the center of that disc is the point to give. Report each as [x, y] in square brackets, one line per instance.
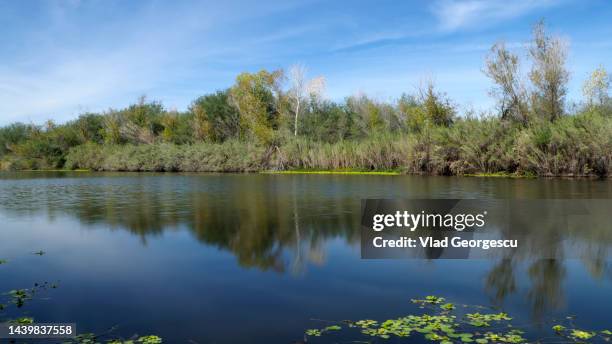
[73, 85]
[85, 70]
[78, 67]
[448, 16]
[456, 14]
[77, 56]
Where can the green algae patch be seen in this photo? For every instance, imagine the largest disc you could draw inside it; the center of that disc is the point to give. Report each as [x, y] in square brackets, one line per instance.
[55, 170]
[345, 172]
[501, 175]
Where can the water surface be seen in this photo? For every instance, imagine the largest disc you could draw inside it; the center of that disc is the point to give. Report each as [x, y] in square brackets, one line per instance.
[243, 258]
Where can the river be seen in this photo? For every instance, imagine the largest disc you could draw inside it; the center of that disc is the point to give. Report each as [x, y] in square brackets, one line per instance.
[244, 258]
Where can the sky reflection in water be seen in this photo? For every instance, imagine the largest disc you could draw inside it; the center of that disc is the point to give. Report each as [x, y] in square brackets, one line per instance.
[243, 258]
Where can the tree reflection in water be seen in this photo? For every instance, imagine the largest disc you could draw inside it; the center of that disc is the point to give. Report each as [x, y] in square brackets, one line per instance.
[282, 223]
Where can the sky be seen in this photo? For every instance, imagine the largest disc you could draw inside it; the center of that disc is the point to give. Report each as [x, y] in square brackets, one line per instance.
[59, 59]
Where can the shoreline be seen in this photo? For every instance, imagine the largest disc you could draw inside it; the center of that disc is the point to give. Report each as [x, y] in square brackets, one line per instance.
[327, 172]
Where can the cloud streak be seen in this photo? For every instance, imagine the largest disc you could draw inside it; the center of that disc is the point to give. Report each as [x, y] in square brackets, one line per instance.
[59, 59]
[454, 15]
[150, 48]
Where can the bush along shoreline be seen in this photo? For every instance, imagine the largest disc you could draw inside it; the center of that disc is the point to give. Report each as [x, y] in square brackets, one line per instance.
[573, 146]
[280, 121]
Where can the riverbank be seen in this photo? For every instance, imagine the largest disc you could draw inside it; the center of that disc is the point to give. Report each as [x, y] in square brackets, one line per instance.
[573, 146]
[500, 175]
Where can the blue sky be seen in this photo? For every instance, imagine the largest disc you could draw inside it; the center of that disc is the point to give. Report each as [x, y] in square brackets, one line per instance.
[62, 58]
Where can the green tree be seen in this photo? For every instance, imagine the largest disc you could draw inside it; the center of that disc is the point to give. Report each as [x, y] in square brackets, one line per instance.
[412, 111]
[214, 118]
[12, 135]
[368, 116]
[90, 127]
[256, 96]
[170, 122]
[437, 107]
[141, 122]
[327, 121]
[503, 68]
[596, 87]
[111, 131]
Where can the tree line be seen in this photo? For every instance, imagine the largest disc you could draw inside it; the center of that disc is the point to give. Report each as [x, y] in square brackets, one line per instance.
[281, 120]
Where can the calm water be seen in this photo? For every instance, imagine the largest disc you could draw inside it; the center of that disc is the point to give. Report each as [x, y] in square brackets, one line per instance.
[253, 258]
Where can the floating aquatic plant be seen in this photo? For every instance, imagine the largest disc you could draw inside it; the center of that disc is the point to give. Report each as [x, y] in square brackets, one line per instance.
[22, 321]
[90, 338]
[319, 332]
[430, 299]
[581, 336]
[446, 327]
[85, 338]
[3, 261]
[448, 306]
[149, 340]
[20, 296]
[484, 320]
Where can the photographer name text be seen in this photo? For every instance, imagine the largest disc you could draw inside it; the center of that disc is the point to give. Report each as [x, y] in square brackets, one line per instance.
[430, 242]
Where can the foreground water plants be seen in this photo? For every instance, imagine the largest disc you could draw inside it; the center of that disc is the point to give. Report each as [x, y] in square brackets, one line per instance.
[448, 323]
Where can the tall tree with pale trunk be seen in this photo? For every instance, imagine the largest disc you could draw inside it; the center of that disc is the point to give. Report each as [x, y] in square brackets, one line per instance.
[548, 75]
[303, 90]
